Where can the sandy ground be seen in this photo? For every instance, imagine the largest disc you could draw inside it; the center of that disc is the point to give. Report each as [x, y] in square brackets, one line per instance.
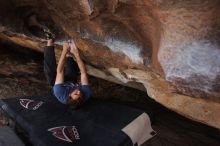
[22, 74]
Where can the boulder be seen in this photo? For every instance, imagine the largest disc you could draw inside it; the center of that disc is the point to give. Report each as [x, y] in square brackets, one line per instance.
[169, 48]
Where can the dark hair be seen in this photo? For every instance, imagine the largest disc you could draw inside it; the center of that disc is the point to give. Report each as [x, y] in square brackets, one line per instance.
[76, 103]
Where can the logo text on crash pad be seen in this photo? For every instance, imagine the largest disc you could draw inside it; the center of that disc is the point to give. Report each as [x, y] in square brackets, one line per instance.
[30, 104]
[65, 133]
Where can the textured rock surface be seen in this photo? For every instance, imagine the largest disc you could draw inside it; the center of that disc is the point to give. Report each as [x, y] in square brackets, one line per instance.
[172, 129]
[171, 47]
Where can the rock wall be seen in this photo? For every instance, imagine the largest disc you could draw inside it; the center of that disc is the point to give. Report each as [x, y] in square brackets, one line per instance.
[171, 47]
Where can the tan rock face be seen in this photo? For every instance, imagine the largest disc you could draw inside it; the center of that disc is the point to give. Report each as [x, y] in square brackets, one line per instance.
[172, 47]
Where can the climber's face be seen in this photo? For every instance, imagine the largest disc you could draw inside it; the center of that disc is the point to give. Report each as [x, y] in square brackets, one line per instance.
[76, 94]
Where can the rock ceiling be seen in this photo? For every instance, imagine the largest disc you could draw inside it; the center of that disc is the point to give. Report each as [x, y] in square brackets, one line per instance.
[170, 48]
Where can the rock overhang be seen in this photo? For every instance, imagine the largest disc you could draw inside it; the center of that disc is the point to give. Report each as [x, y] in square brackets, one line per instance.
[176, 43]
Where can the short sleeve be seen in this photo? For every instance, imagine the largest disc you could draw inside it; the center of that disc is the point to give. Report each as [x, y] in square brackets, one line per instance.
[61, 93]
[86, 90]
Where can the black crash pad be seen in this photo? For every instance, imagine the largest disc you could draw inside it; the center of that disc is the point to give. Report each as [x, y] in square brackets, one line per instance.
[50, 123]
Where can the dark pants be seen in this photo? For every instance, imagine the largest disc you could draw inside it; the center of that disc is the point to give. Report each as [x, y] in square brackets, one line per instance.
[71, 70]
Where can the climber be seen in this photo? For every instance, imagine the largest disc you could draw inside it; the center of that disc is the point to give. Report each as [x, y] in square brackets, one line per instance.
[63, 78]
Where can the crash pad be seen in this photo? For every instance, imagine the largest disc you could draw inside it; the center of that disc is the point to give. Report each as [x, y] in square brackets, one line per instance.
[49, 122]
